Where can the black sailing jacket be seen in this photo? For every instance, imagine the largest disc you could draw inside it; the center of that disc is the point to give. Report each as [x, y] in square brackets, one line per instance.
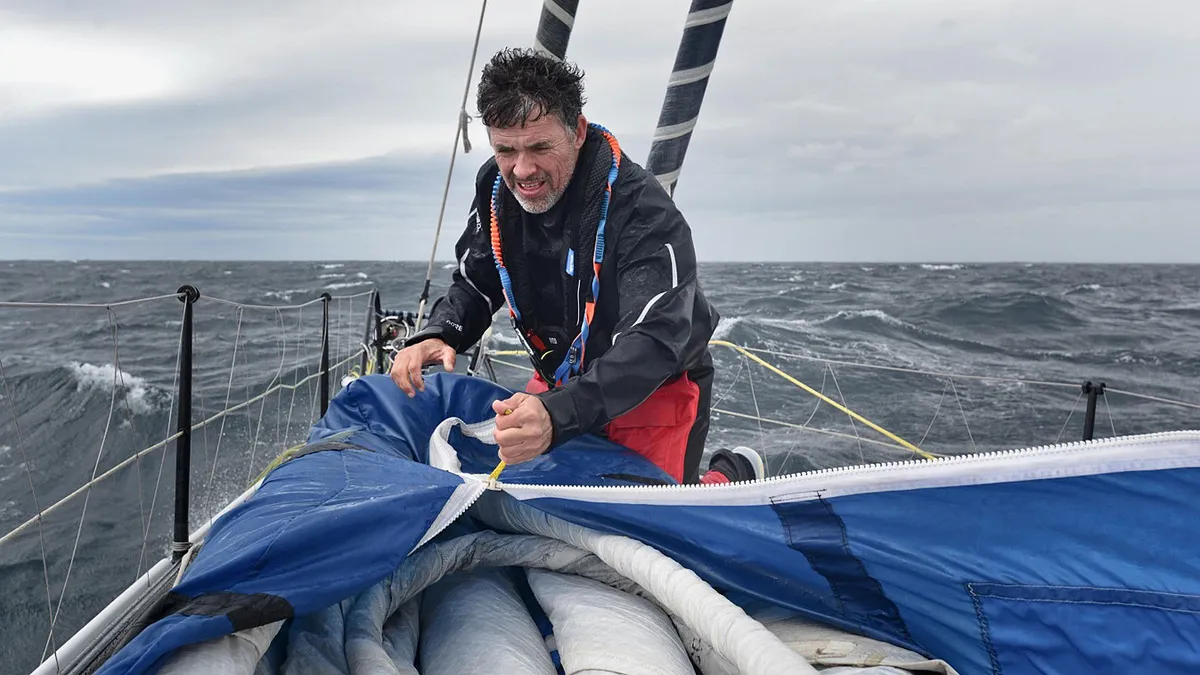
[652, 321]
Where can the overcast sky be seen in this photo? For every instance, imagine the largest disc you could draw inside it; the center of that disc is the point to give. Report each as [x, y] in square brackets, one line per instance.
[908, 130]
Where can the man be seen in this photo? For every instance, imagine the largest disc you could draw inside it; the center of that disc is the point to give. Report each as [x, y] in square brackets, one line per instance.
[598, 271]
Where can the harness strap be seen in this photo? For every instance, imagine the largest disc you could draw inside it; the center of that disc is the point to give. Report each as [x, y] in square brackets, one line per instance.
[575, 353]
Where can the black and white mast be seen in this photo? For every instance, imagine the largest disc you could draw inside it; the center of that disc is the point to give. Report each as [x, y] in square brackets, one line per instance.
[554, 27]
[685, 91]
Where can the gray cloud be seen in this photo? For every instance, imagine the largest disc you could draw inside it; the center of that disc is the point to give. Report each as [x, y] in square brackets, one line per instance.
[965, 130]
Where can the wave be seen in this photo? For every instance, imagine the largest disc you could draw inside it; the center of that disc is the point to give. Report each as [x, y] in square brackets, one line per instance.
[942, 268]
[346, 284]
[1191, 310]
[285, 296]
[331, 275]
[1014, 312]
[141, 397]
[332, 266]
[845, 315]
[725, 326]
[850, 329]
[1081, 288]
[800, 326]
[505, 338]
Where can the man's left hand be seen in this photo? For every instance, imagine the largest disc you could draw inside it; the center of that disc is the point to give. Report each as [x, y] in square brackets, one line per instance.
[525, 432]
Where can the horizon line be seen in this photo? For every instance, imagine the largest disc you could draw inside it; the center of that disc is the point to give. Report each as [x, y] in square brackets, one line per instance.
[425, 261]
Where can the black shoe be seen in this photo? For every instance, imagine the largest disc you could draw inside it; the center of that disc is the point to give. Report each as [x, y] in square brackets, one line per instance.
[739, 464]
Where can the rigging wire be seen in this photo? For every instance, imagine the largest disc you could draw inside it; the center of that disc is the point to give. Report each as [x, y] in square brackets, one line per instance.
[964, 416]
[8, 394]
[833, 373]
[823, 397]
[112, 406]
[460, 130]
[762, 436]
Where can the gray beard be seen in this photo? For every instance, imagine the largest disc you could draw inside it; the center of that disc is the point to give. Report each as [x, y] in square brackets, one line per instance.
[546, 203]
[542, 205]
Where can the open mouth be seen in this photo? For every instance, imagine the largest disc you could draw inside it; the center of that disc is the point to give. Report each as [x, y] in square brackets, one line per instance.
[531, 188]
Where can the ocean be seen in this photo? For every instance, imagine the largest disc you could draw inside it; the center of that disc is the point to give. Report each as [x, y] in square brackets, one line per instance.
[73, 405]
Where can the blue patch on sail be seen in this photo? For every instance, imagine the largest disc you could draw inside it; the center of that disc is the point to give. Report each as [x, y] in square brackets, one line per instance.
[571, 261]
[815, 529]
[1098, 623]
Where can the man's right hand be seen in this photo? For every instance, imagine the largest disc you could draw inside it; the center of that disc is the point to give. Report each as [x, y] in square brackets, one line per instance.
[406, 367]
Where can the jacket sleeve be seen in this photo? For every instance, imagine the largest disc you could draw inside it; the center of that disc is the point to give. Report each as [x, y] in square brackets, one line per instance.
[460, 317]
[656, 268]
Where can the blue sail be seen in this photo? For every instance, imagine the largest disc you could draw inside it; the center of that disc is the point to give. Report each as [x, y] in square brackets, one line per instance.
[1066, 559]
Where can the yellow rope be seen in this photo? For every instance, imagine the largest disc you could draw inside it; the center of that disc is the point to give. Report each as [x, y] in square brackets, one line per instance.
[823, 397]
[789, 378]
[499, 467]
[279, 459]
[496, 473]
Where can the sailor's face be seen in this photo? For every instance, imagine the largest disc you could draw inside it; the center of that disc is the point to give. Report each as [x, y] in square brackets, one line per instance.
[538, 159]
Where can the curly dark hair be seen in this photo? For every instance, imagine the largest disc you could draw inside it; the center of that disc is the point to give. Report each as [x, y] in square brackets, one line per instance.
[521, 85]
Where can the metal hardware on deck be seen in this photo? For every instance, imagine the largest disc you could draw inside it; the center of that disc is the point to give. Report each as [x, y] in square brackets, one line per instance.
[325, 300]
[1093, 392]
[424, 298]
[183, 444]
[378, 336]
[474, 364]
[370, 332]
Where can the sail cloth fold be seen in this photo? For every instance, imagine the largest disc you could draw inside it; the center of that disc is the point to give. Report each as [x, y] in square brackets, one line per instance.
[1049, 560]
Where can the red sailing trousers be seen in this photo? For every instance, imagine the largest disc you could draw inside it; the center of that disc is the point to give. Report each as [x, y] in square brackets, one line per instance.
[657, 429]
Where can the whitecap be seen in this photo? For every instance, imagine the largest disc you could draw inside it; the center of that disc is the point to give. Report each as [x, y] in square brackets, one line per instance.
[332, 266]
[140, 396]
[286, 296]
[725, 327]
[505, 339]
